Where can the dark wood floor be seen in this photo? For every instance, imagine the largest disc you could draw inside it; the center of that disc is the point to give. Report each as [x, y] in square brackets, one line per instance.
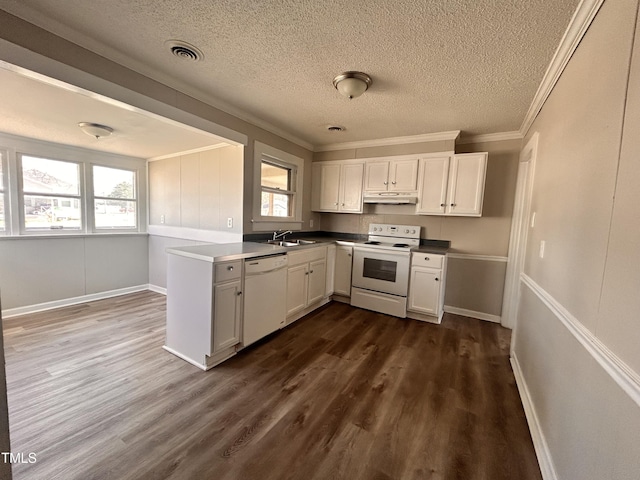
[342, 394]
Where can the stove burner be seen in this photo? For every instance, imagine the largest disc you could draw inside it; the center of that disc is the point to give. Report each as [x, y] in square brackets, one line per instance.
[372, 243]
[400, 245]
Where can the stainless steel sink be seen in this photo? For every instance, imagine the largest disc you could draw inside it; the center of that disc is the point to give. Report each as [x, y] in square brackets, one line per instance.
[291, 243]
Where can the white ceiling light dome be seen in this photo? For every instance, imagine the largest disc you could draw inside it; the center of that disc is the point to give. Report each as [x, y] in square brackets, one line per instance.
[352, 84]
[95, 129]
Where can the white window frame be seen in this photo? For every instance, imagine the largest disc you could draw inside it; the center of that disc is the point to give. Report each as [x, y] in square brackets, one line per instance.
[81, 197]
[269, 154]
[95, 197]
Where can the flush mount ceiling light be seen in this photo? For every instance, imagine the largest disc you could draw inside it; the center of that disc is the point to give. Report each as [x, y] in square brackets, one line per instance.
[352, 84]
[335, 128]
[95, 129]
[184, 50]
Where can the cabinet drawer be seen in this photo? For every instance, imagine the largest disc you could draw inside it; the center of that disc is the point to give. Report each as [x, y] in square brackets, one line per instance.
[307, 255]
[426, 260]
[227, 271]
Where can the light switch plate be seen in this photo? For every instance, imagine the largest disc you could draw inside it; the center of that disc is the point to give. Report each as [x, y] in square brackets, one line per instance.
[230, 222]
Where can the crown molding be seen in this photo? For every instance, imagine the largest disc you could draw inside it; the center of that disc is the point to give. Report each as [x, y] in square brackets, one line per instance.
[382, 142]
[580, 22]
[491, 137]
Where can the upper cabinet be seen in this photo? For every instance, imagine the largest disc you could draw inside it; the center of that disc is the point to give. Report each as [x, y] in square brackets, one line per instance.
[337, 186]
[391, 175]
[452, 185]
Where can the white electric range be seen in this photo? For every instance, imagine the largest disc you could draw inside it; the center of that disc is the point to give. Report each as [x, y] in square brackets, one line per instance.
[380, 276]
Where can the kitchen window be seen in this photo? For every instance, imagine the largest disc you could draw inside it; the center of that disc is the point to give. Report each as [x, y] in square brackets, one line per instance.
[50, 194]
[114, 198]
[278, 189]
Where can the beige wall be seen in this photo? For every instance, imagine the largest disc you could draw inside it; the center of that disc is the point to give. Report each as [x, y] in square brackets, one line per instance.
[198, 190]
[580, 309]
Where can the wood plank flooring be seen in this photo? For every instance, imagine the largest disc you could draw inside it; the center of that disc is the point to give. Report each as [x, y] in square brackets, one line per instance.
[343, 393]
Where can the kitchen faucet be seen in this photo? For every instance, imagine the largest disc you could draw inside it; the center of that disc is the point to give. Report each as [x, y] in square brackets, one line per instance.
[280, 233]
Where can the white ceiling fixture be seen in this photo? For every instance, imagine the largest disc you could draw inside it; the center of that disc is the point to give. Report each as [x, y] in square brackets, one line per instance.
[95, 129]
[352, 84]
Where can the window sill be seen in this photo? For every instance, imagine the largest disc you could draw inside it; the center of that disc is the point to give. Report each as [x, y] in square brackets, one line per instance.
[47, 236]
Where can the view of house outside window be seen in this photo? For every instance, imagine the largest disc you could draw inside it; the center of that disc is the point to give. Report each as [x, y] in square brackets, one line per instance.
[276, 190]
[51, 194]
[114, 193]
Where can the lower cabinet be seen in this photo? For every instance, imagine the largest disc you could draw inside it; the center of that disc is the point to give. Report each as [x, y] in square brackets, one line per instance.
[306, 280]
[204, 309]
[227, 304]
[427, 287]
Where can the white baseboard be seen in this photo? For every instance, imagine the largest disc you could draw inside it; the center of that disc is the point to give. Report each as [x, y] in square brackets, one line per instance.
[539, 443]
[65, 302]
[470, 313]
[186, 359]
[157, 289]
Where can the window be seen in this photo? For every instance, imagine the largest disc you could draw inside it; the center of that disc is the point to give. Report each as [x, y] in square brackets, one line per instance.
[276, 186]
[51, 195]
[114, 198]
[277, 189]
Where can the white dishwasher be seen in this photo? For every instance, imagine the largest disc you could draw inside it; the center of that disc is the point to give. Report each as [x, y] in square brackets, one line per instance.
[265, 296]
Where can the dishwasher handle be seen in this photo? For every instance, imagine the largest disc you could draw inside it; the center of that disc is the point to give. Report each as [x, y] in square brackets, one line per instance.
[263, 272]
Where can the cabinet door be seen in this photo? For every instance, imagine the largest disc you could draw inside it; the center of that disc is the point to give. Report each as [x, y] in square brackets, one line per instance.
[326, 187]
[432, 194]
[376, 176]
[344, 261]
[403, 175]
[424, 291]
[466, 184]
[317, 277]
[297, 288]
[351, 187]
[226, 315]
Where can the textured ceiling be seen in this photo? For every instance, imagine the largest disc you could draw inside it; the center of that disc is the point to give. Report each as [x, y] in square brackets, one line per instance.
[470, 65]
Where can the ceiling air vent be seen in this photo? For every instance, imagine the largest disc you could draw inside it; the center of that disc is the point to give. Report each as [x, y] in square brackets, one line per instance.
[184, 50]
[335, 128]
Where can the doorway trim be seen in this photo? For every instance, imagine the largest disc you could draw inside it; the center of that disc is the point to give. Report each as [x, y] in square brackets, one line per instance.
[519, 232]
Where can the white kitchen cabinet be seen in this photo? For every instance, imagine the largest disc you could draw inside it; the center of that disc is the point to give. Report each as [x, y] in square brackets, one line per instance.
[227, 306]
[452, 185]
[331, 266]
[342, 273]
[337, 186]
[426, 287]
[204, 309]
[391, 175]
[306, 280]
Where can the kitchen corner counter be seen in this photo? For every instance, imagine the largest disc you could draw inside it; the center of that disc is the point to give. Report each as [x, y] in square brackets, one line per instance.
[431, 249]
[222, 252]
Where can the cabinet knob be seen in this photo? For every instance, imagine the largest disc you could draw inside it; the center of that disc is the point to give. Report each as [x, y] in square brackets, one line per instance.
[386, 183]
[336, 203]
[453, 204]
[311, 271]
[437, 279]
[230, 268]
[427, 258]
[239, 293]
[442, 204]
[343, 204]
[393, 183]
[349, 254]
[306, 273]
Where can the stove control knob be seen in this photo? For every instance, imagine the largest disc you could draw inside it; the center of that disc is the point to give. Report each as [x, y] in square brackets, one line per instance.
[406, 230]
[413, 231]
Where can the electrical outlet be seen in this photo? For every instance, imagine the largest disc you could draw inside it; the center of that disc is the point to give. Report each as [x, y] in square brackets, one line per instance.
[311, 223]
[542, 244]
[230, 222]
[161, 218]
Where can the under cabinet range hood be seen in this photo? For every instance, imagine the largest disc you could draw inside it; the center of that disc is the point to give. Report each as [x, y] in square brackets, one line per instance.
[392, 198]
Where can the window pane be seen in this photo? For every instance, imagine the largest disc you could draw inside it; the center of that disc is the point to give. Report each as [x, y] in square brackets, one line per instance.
[40, 175]
[45, 212]
[113, 183]
[115, 214]
[275, 205]
[275, 177]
